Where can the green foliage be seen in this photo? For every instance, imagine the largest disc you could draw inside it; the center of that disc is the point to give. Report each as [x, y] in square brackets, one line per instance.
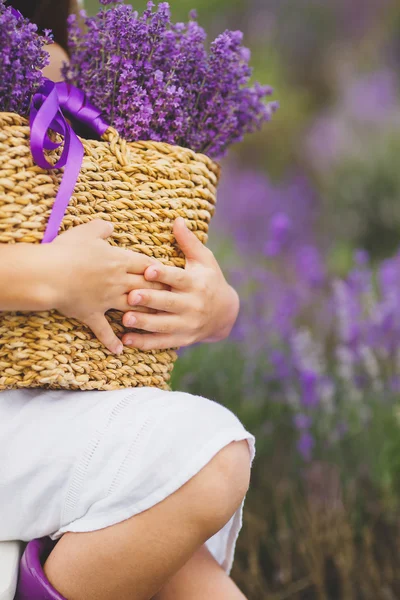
[312, 532]
[221, 372]
[362, 196]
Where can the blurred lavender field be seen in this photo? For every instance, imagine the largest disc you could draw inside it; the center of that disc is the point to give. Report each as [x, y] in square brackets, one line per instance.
[308, 230]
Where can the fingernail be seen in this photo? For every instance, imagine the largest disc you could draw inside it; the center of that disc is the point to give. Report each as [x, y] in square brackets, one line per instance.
[132, 321]
[119, 349]
[136, 300]
[129, 343]
[152, 274]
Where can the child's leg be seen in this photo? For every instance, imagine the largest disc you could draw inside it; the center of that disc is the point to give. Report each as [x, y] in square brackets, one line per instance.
[134, 559]
[201, 578]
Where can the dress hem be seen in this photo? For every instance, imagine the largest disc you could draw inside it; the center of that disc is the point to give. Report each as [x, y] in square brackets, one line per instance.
[87, 524]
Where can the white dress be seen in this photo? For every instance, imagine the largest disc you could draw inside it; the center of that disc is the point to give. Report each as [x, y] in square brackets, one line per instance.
[82, 461]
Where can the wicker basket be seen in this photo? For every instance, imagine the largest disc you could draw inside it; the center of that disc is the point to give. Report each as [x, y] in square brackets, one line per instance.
[142, 188]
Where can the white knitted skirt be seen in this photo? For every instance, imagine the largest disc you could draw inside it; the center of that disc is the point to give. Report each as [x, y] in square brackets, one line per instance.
[82, 461]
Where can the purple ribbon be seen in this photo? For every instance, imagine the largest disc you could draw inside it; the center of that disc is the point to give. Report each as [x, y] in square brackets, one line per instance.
[51, 106]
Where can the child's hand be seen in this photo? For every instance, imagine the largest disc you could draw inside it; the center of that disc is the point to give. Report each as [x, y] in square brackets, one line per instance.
[89, 277]
[201, 306]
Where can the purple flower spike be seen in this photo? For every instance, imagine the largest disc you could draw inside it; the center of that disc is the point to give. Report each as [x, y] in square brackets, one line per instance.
[280, 228]
[302, 422]
[361, 258]
[16, 13]
[309, 385]
[306, 445]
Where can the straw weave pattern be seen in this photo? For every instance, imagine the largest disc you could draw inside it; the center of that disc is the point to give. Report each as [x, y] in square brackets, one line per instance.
[141, 188]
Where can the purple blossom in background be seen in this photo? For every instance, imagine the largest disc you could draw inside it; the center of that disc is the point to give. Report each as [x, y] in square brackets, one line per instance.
[305, 445]
[279, 231]
[302, 422]
[155, 80]
[319, 338]
[254, 210]
[310, 265]
[309, 389]
[361, 258]
[368, 103]
[373, 98]
[22, 58]
[328, 139]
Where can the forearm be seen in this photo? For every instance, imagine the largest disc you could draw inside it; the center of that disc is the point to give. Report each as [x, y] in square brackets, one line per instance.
[25, 278]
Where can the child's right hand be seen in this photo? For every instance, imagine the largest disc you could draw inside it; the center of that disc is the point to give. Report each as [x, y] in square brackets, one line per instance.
[88, 277]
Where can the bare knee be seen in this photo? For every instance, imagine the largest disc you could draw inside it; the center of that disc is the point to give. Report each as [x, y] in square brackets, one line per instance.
[94, 565]
[219, 489]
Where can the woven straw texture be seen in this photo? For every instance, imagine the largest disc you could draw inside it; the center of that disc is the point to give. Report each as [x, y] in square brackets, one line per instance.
[142, 188]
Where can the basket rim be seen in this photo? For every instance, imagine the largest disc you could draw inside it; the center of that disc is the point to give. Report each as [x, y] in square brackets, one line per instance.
[111, 131]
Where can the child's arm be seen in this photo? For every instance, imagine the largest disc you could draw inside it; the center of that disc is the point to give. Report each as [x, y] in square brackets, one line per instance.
[201, 306]
[79, 274]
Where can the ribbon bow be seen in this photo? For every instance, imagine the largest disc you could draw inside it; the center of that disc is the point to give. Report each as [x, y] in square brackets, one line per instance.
[50, 106]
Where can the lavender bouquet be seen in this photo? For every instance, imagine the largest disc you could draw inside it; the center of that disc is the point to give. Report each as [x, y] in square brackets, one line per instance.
[22, 58]
[155, 80]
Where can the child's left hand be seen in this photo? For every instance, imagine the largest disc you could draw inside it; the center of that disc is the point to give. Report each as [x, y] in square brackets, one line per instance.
[200, 306]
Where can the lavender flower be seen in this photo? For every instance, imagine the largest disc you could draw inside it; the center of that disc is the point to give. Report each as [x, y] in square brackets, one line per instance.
[302, 422]
[155, 80]
[305, 445]
[264, 217]
[326, 347]
[279, 231]
[22, 58]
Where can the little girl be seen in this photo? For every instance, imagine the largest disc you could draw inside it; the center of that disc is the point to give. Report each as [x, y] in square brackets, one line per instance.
[143, 488]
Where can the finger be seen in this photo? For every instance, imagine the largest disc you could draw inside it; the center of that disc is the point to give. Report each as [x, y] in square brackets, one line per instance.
[105, 334]
[168, 302]
[122, 305]
[136, 262]
[96, 229]
[152, 323]
[151, 341]
[138, 282]
[175, 277]
[190, 245]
